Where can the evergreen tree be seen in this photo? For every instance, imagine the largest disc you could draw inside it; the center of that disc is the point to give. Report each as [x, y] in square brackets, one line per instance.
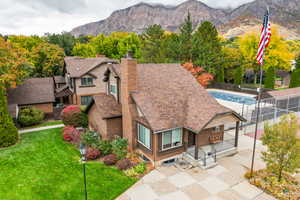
[171, 48]
[270, 78]
[64, 40]
[8, 131]
[220, 74]
[185, 38]
[295, 78]
[152, 44]
[238, 75]
[207, 50]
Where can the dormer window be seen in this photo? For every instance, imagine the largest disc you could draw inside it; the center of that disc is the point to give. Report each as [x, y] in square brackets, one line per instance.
[86, 81]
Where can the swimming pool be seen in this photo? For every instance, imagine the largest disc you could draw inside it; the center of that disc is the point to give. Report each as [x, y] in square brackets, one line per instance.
[232, 97]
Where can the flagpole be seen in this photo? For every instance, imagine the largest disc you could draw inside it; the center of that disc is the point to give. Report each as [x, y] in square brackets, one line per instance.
[258, 108]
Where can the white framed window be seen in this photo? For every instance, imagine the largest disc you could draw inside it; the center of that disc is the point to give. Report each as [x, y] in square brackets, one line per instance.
[86, 81]
[85, 100]
[144, 136]
[172, 139]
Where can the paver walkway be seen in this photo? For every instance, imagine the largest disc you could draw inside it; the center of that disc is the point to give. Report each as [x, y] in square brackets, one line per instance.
[41, 128]
[223, 182]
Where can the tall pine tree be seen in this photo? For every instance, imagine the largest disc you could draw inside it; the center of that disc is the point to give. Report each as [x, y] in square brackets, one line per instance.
[185, 37]
[207, 48]
[152, 44]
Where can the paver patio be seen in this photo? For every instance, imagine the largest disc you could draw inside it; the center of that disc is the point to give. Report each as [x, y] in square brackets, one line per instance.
[223, 182]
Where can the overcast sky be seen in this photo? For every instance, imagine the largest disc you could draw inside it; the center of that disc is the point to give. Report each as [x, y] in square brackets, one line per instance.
[40, 16]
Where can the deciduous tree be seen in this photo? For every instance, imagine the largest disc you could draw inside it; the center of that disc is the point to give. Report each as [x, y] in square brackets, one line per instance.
[13, 69]
[47, 59]
[283, 146]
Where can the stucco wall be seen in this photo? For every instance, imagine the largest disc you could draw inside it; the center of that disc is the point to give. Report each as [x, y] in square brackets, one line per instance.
[96, 122]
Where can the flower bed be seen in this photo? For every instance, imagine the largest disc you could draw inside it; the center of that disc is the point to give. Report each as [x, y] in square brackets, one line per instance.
[111, 153]
[288, 188]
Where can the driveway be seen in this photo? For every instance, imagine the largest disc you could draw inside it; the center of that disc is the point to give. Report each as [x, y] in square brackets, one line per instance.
[223, 182]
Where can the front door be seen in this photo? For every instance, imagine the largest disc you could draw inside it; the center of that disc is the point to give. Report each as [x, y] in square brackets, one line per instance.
[192, 139]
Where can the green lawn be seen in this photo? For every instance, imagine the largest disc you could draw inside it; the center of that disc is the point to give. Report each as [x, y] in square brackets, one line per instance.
[43, 124]
[43, 167]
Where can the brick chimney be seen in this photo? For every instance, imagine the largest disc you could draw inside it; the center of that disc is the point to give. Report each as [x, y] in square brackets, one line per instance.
[128, 85]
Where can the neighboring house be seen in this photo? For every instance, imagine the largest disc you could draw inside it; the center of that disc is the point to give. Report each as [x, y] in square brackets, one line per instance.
[283, 78]
[34, 92]
[163, 112]
[84, 77]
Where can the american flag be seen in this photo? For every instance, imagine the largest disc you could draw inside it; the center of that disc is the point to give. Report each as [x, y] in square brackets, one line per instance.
[264, 39]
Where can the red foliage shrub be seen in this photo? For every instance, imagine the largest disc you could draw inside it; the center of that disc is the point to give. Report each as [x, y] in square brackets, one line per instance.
[72, 116]
[124, 164]
[70, 134]
[92, 153]
[110, 159]
[203, 77]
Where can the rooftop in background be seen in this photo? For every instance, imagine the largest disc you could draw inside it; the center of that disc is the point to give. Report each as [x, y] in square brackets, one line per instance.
[78, 67]
[32, 91]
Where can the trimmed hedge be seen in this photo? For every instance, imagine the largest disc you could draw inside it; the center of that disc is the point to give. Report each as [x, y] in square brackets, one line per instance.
[8, 130]
[30, 116]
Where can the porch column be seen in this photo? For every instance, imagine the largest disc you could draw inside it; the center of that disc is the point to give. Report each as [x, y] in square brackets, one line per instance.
[196, 147]
[237, 133]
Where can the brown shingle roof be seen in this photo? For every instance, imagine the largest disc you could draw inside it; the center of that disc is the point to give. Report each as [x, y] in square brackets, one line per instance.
[169, 96]
[78, 67]
[32, 91]
[107, 106]
[284, 93]
[59, 79]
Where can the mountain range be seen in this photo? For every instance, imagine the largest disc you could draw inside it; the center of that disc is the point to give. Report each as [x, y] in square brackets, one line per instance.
[285, 14]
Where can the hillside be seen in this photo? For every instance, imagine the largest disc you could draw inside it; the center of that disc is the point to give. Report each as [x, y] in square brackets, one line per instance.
[248, 17]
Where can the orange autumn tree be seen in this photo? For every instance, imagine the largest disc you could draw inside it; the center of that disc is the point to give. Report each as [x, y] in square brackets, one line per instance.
[203, 77]
[12, 70]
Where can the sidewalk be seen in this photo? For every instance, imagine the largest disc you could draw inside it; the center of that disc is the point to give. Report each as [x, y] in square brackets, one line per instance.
[41, 128]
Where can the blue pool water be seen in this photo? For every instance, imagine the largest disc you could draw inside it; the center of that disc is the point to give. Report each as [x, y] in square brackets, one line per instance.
[232, 97]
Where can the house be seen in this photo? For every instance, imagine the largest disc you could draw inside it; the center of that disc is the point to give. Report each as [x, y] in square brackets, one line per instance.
[83, 77]
[34, 92]
[163, 112]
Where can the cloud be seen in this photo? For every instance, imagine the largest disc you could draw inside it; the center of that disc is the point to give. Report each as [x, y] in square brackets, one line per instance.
[40, 16]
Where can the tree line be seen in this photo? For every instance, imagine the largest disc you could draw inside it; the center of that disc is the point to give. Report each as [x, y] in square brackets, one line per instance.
[227, 60]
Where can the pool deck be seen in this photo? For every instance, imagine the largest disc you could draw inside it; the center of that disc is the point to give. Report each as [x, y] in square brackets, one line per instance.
[237, 107]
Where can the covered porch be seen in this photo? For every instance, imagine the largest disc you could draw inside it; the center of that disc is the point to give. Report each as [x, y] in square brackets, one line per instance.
[206, 147]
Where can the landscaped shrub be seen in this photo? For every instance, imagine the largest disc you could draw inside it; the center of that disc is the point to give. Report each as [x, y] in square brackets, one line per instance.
[140, 168]
[135, 171]
[119, 147]
[30, 116]
[131, 172]
[110, 159]
[8, 131]
[105, 147]
[71, 134]
[73, 116]
[92, 153]
[124, 164]
[90, 138]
